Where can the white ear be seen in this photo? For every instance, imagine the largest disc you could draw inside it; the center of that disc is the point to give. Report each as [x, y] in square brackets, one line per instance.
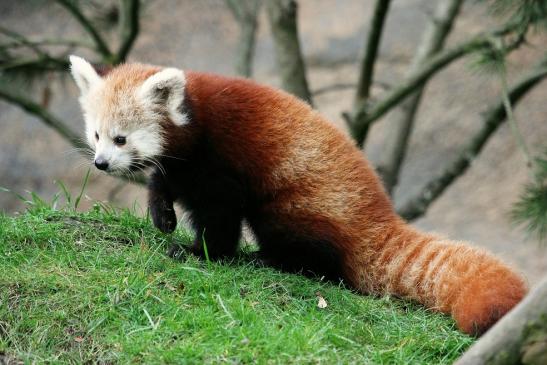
[166, 88]
[84, 74]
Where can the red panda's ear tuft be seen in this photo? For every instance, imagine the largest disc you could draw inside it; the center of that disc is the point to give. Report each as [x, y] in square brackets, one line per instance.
[166, 89]
[84, 74]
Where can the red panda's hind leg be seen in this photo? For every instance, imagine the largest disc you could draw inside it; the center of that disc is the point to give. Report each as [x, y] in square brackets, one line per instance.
[216, 216]
[217, 237]
[311, 257]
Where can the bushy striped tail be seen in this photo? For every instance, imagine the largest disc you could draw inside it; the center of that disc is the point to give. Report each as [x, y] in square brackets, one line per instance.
[452, 277]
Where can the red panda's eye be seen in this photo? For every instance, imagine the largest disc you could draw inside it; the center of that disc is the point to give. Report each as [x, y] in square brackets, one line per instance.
[120, 141]
[96, 136]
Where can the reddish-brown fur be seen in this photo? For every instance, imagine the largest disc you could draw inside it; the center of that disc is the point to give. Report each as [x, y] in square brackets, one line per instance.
[319, 176]
[312, 181]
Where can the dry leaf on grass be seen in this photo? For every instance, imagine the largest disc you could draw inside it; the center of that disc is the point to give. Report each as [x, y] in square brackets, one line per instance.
[321, 302]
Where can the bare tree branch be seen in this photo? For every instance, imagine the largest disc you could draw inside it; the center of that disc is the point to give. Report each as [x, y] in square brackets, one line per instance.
[417, 206]
[102, 46]
[48, 42]
[23, 41]
[334, 87]
[396, 143]
[518, 338]
[245, 12]
[129, 28]
[346, 85]
[283, 22]
[43, 60]
[371, 51]
[361, 120]
[36, 63]
[47, 118]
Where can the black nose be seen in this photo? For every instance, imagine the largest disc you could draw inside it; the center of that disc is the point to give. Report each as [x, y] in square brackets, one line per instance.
[101, 163]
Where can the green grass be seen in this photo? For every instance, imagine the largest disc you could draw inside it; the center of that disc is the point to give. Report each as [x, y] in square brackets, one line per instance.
[97, 287]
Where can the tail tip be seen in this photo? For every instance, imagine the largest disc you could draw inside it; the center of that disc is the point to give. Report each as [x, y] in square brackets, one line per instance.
[482, 303]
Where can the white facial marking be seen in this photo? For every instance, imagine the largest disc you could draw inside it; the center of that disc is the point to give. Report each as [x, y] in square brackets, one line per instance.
[147, 141]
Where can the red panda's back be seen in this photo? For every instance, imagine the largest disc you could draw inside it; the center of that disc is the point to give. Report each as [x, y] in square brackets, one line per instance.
[291, 152]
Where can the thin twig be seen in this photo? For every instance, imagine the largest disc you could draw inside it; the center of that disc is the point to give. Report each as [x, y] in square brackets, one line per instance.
[245, 12]
[115, 191]
[49, 42]
[40, 63]
[129, 28]
[371, 51]
[519, 138]
[43, 61]
[282, 16]
[49, 119]
[223, 306]
[364, 117]
[102, 46]
[23, 41]
[334, 87]
[347, 85]
[432, 42]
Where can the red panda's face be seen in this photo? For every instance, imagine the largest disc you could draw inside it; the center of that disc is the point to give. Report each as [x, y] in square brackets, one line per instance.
[124, 112]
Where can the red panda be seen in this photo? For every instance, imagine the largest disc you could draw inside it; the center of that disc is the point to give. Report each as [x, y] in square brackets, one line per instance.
[231, 150]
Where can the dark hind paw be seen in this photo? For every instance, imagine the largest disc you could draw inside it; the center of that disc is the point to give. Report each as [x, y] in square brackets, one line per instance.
[259, 259]
[177, 251]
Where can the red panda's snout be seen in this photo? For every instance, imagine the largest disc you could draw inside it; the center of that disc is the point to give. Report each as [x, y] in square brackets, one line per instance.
[101, 163]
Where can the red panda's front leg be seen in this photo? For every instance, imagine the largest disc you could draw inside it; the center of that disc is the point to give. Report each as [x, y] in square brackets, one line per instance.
[160, 202]
[216, 207]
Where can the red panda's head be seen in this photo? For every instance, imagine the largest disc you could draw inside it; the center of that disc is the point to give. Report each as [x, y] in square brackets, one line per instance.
[124, 111]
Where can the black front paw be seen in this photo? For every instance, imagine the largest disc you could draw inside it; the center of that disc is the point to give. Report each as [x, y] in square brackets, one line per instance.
[164, 218]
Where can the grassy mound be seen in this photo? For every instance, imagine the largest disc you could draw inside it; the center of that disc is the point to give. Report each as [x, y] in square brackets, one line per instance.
[96, 286]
